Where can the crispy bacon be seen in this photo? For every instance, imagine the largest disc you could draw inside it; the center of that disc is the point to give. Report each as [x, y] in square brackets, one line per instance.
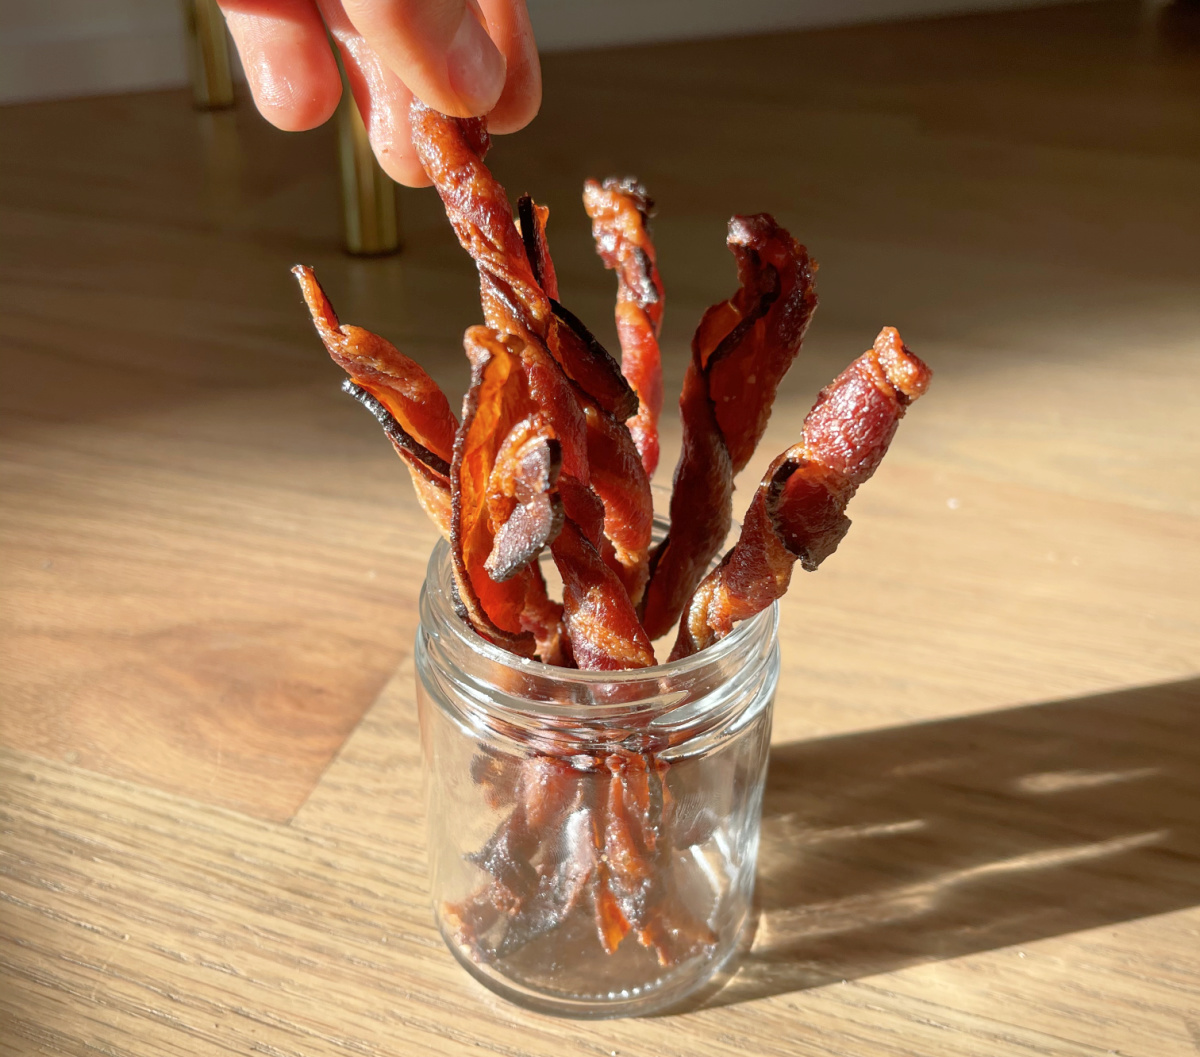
[588, 363]
[545, 793]
[451, 151]
[523, 507]
[400, 384]
[619, 479]
[406, 444]
[430, 474]
[514, 302]
[498, 403]
[555, 448]
[517, 277]
[798, 512]
[407, 403]
[740, 352]
[613, 467]
[532, 219]
[594, 835]
[620, 211]
[601, 622]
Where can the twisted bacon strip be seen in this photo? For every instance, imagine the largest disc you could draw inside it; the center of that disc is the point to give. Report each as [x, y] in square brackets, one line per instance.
[451, 151]
[505, 461]
[798, 512]
[408, 403]
[639, 849]
[523, 507]
[430, 474]
[532, 220]
[620, 212]
[740, 352]
[620, 481]
[614, 467]
[513, 267]
[601, 621]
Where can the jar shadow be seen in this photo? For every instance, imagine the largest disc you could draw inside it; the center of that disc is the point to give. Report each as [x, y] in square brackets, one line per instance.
[914, 844]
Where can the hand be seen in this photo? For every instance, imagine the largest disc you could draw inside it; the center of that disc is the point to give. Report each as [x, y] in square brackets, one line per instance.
[438, 49]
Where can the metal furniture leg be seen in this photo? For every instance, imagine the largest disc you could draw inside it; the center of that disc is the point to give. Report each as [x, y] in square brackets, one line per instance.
[208, 55]
[368, 194]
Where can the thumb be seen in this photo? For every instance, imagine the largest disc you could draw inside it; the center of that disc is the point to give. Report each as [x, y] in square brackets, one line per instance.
[439, 48]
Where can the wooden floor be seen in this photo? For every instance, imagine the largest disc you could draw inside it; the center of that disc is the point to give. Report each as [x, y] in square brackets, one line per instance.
[982, 830]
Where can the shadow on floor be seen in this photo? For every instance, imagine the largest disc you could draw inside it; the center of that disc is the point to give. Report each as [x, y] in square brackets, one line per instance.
[927, 842]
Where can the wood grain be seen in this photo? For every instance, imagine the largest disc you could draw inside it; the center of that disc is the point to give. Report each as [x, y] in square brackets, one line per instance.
[981, 826]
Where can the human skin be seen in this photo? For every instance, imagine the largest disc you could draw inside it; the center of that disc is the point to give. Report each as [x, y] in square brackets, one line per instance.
[465, 58]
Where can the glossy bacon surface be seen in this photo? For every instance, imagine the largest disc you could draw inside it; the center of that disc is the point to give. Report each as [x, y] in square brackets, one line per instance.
[601, 621]
[515, 270]
[400, 384]
[746, 345]
[497, 402]
[588, 363]
[451, 151]
[430, 474]
[523, 504]
[619, 479]
[740, 352]
[620, 211]
[532, 219]
[798, 512]
[611, 465]
[514, 302]
[407, 403]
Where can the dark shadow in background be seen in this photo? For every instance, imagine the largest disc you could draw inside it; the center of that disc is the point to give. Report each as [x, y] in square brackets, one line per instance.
[921, 843]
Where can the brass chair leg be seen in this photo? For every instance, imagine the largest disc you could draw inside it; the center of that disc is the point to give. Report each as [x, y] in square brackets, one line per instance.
[368, 193]
[208, 55]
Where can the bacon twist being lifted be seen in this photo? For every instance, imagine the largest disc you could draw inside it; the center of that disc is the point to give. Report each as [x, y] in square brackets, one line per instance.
[585, 408]
[740, 353]
[620, 212]
[408, 404]
[798, 512]
[451, 151]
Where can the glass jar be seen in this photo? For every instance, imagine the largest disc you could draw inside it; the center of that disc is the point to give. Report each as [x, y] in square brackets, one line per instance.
[592, 835]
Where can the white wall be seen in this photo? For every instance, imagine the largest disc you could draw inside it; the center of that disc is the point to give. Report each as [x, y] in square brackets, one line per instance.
[54, 48]
[51, 48]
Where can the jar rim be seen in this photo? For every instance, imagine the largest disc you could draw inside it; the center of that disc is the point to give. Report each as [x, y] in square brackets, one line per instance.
[659, 697]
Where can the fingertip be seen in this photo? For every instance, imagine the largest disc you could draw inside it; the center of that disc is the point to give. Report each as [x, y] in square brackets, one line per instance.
[476, 71]
[383, 100]
[509, 26]
[517, 107]
[441, 49]
[290, 70]
[401, 164]
[295, 107]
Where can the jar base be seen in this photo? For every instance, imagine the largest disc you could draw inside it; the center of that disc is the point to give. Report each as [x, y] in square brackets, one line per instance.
[679, 984]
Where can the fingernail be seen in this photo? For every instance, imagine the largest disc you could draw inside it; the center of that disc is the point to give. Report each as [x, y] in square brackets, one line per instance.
[474, 66]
